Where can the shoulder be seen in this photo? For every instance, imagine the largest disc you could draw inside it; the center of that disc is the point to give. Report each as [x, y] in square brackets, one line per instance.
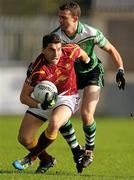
[34, 65]
[35, 73]
[38, 60]
[57, 30]
[71, 50]
[70, 46]
[92, 31]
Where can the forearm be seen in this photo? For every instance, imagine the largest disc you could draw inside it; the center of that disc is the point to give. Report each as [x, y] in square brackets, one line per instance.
[117, 58]
[115, 55]
[25, 96]
[29, 101]
[84, 56]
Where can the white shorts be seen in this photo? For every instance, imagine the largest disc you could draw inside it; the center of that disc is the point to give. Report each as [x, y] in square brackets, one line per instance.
[72, 102]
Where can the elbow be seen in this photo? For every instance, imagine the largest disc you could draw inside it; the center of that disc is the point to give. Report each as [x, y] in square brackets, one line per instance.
[110, 51]
[22, 99]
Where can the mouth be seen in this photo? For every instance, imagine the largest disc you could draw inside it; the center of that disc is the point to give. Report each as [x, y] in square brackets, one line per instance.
[54, 61]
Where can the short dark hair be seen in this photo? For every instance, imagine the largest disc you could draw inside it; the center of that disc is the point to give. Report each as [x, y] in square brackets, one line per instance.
[50, 38]
[73, 7]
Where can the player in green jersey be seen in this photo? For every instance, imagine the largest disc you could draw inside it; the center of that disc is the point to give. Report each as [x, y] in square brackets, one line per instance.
[89, 76]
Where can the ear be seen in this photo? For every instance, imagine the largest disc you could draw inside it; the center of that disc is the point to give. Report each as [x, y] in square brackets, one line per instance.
[75, 18]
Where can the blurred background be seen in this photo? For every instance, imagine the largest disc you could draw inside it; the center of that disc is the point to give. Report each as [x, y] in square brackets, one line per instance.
[22, 25]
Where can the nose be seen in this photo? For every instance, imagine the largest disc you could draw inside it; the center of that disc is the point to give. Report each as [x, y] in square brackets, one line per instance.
[56, 54]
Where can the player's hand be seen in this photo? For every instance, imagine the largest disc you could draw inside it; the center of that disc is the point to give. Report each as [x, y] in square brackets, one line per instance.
[120, 79]
[49, 103]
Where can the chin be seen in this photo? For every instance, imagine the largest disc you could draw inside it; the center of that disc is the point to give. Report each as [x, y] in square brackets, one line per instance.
[62, 27]
[54, 62]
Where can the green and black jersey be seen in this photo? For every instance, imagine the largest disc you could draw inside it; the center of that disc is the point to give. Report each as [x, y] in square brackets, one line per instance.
[86, 37]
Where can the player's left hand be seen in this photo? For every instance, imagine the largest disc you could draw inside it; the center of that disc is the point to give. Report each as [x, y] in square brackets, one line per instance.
[120, 79]
[49, 103]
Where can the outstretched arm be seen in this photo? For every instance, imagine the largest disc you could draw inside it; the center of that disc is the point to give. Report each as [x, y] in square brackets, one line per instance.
[118, 60]
[115, 54]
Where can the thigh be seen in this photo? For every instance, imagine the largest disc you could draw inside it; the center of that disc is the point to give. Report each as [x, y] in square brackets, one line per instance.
[30, 125]
[71, 101]
[90, 99]
[59, 117]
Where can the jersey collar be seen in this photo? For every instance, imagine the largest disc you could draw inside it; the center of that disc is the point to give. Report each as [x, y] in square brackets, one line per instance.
[78, 31]
[79, 28]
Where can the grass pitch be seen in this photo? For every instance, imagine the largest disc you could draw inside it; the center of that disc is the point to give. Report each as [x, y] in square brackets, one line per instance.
[113, 156]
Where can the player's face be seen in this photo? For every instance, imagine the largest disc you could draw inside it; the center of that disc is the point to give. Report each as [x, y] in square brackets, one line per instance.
[67, 20]
[53, 53]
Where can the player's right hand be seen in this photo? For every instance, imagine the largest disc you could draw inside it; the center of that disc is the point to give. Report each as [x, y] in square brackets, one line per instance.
[49, 103]
[120, 79]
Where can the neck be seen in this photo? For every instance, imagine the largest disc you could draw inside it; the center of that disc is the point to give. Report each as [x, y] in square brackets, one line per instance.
[72, 30]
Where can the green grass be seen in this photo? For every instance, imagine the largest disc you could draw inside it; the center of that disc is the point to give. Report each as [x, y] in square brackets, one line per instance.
[113, 160]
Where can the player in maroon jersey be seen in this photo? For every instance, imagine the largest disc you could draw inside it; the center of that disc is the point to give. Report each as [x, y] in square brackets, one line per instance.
[59, 71]
[56, 64]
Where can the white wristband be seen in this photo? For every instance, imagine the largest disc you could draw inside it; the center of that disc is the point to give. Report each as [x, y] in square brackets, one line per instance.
[121, 68]
[39, 106]
[88, 60]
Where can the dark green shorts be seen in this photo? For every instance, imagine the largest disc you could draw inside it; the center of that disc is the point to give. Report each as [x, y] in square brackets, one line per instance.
[94, 77]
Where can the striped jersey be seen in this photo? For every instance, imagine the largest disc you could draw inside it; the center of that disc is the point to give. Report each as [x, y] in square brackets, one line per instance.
[86, 37]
